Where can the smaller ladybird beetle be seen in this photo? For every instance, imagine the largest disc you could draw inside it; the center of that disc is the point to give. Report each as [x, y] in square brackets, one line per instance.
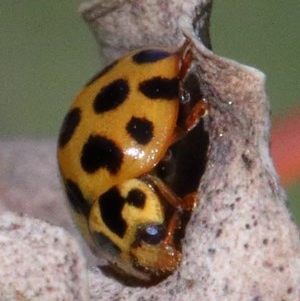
[117, 132]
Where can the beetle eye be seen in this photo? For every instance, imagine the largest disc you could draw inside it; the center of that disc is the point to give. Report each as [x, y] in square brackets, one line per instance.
[152, 234]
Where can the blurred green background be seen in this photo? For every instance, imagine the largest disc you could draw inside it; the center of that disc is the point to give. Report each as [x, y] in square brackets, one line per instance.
[47, 53]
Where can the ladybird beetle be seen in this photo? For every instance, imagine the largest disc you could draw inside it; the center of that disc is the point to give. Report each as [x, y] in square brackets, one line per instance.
[118, 130]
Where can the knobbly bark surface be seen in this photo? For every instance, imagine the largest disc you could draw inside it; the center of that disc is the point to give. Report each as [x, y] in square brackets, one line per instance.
[240, 244]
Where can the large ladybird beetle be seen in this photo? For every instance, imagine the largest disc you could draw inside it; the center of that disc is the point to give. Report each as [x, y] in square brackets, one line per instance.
[117, 131]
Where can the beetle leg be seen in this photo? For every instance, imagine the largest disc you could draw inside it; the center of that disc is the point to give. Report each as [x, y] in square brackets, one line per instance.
[186, 57]
[186, 203]
[192, 105]
[190, 200]
[199, 110]
[190, 121]
[173, 224]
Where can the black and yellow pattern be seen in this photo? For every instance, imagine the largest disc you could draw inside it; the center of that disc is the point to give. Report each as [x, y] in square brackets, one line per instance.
[118, 129]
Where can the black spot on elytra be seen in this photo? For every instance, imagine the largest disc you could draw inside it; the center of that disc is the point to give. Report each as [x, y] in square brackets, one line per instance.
[136, 197]
[111, 96]
[105, 243]
[158, 87]
[101, 73]
[69, 126]
[111, 204]
[76, 198]
[100, 152]
[150, 56]
[140, 129]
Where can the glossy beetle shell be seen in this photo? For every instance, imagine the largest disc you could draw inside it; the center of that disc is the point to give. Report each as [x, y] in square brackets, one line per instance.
[117, 130]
